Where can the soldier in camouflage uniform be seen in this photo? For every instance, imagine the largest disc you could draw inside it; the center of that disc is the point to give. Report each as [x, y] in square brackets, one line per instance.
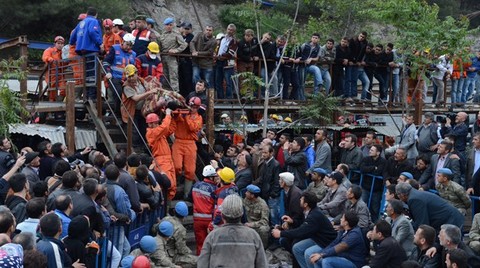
[160, 257]
[172, 42]
[317, 186]
[177, 245]
[257, 213]
[451, 191]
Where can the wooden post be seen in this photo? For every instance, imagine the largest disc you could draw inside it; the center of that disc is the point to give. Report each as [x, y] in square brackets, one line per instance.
[210, 117]
[70, 115]
[129, 136]
[23, 42]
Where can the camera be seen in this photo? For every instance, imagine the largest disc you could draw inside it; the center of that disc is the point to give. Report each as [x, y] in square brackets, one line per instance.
[442, 119]
[75, 163]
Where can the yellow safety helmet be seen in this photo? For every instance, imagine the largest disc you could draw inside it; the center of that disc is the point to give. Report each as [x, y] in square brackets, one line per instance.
[226, 174]
[130, 70]
[288, 119]
[274, 117]
[153, 47]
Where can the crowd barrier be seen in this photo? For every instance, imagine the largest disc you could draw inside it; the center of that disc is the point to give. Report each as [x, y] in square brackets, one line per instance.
[475, 199]
[134, 231]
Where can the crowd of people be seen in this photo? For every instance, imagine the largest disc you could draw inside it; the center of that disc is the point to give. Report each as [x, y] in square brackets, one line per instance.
[188, 58]
[283, 191]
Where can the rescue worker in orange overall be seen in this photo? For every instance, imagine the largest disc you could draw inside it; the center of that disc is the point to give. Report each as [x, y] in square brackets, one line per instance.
[157, 140]
[55, 79]
[203, 204]
[109, 37]
[184, 148]
[76, 64]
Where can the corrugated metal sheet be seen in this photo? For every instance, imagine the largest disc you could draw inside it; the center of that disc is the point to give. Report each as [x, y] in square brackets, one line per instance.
[83, 137]
[390, 131]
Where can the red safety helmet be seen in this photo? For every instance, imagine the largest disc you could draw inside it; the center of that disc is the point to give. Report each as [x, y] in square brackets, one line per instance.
[141, 262]
[107, 23]
[152, 118]
[195, 101]
[59, 38]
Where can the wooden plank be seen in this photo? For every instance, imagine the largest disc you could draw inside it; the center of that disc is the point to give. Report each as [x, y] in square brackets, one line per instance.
[70, 115]
[101, 129]
[21, 40]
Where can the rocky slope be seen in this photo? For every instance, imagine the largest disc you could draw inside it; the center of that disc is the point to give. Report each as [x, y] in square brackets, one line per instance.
[198, 12]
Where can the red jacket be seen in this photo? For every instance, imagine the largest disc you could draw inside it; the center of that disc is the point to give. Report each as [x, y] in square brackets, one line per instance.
[203, 195]
[146, 66]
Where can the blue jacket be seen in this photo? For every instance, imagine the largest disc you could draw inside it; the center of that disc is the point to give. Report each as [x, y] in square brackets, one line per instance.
[117, 59]
[310, 153]
[87, 36]
[119, 200]
[53, 248]
[356, 251]
[65, 222]
[476, 65]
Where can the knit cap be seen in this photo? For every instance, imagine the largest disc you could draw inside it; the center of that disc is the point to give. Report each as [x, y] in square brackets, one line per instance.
[232, 206]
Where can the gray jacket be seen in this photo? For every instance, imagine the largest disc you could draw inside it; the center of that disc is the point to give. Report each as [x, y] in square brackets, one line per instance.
[334, 202]
[402, 231]
[323, 157]
[352, 158]
[223, 246]
[407, 141]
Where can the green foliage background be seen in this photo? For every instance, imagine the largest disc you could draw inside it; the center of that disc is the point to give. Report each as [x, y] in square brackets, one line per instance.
[44, 19]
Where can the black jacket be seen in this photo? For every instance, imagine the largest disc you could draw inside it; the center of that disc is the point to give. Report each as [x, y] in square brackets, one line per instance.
[419, 256]
[84, 205]
[389, 254]
[268, 179]
[316, 226]
[246, 51]
[292, 206]
[17, 206]
[393, 169]
[296, 163]
[375, 167]
[243, 178]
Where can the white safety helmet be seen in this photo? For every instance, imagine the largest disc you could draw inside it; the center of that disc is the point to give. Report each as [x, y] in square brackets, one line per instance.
[209, 171]
[129, 38]
[117, 22]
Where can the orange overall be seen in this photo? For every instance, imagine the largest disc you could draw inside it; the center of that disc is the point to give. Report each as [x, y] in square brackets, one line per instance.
[157, 139]
[184, 149]
[55, 77]
[111, 39]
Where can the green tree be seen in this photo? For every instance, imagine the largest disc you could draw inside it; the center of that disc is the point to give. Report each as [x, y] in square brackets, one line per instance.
[11, 110]
[44, 19]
